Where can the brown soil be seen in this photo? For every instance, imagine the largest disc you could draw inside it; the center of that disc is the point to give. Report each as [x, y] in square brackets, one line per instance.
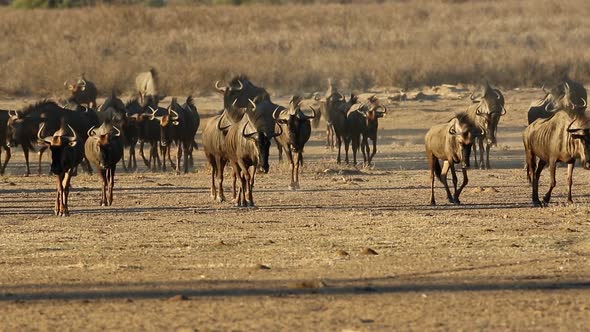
[350, 251]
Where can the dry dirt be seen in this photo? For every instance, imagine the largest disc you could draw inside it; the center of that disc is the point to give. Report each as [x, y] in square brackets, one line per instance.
[353, 250]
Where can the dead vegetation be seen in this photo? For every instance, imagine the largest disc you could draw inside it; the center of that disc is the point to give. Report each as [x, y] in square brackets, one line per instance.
[296, 47]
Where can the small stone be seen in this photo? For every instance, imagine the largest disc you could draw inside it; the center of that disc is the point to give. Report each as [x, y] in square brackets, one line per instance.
[262, 267]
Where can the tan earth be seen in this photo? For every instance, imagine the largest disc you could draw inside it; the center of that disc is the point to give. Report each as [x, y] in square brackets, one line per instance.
[354, 250]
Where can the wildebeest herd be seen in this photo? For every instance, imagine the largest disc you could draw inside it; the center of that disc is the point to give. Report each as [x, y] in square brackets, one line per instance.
[78, 133]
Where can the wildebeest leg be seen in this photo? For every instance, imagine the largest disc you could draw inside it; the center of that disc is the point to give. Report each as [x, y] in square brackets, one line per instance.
[346, 145]
[234, 176]
[374, 150]
[6, 159]
[58, 199]
[453, 176]
[103, 191]
[280, 149]
[465, 181]
[66, 192]
[355, 148]
[186, 146]
[145, 161]
[474, 149]
[178, 156]
[40, 155]
[220, 167]
[433, 165]
[26, 152]
[328, 137]
[123, 161]
[289, 154]
[570, 173]
[339, 143]
[250, 178]
[443, 179]
[481, 150]
[552, 167]
[488, 146]
[132, 164]
[298, 157]
[111, 178]
[170, 158]
[540, 165]
[163, 149]
[211, 158]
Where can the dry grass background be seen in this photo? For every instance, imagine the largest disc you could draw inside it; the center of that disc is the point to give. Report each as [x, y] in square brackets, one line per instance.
[291, 48]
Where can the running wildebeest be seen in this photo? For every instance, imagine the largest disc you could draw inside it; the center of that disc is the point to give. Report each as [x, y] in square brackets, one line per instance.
[83, 92]
[67, 151]
[449, 142]
[560, 137]
[296, 130]
[485, 112]
[104, 148]
[247, 147]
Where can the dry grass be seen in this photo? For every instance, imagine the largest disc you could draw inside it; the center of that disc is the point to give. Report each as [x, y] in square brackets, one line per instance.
[296, 47]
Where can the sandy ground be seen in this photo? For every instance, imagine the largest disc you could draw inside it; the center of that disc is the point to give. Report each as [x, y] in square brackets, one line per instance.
[353, 250]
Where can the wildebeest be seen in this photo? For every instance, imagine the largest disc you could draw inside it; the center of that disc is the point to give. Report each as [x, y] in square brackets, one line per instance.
[567, 95]
[247, 147]
[67, 152]
[23, 125]
[449, 142]
[213, 139]
[336, 112]
[331, 97]
[180, 125]
[372, 113]
[113, 111]
[485, 112]
[135, 117]
[3, 144]
[296, 130]
[83, 92]
[104, 148]
[147, 85]
[559, 138]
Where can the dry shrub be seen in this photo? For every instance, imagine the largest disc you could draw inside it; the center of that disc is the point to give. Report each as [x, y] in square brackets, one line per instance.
[290, 48]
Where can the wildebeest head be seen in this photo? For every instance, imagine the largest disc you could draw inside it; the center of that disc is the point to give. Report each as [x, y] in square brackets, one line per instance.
[294, 117]
[463, 130]
[15, 128]
[261, 129]
[567, 95]
[75, 87]
[105, 134]
[239, 90]
[63, 138]
[580, 133]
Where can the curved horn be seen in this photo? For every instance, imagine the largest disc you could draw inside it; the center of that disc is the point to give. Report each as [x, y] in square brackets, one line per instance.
[234, 103]
[569, 130]
[238, 89]
[585, 104]
[75, 138]
[503, 111]
[244, 131]
[12, 113]
[83, 82]
[279, 133]
[176, 116]
[276, 115]
[90, 132]
[497, 94]
[478, 111]
[65, 84]
[118, 131]
[452, 130]
[315, 114]
[543, 88]
[219, 123]
[342, 96]
[46, 139]
[381, 107]
[253, 105]
[218, 87]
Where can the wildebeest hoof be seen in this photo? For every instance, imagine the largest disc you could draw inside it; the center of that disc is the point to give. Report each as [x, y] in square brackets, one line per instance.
[538, 204]
[457, 202]
[220, 199]
[251, 204]
[292, 186]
